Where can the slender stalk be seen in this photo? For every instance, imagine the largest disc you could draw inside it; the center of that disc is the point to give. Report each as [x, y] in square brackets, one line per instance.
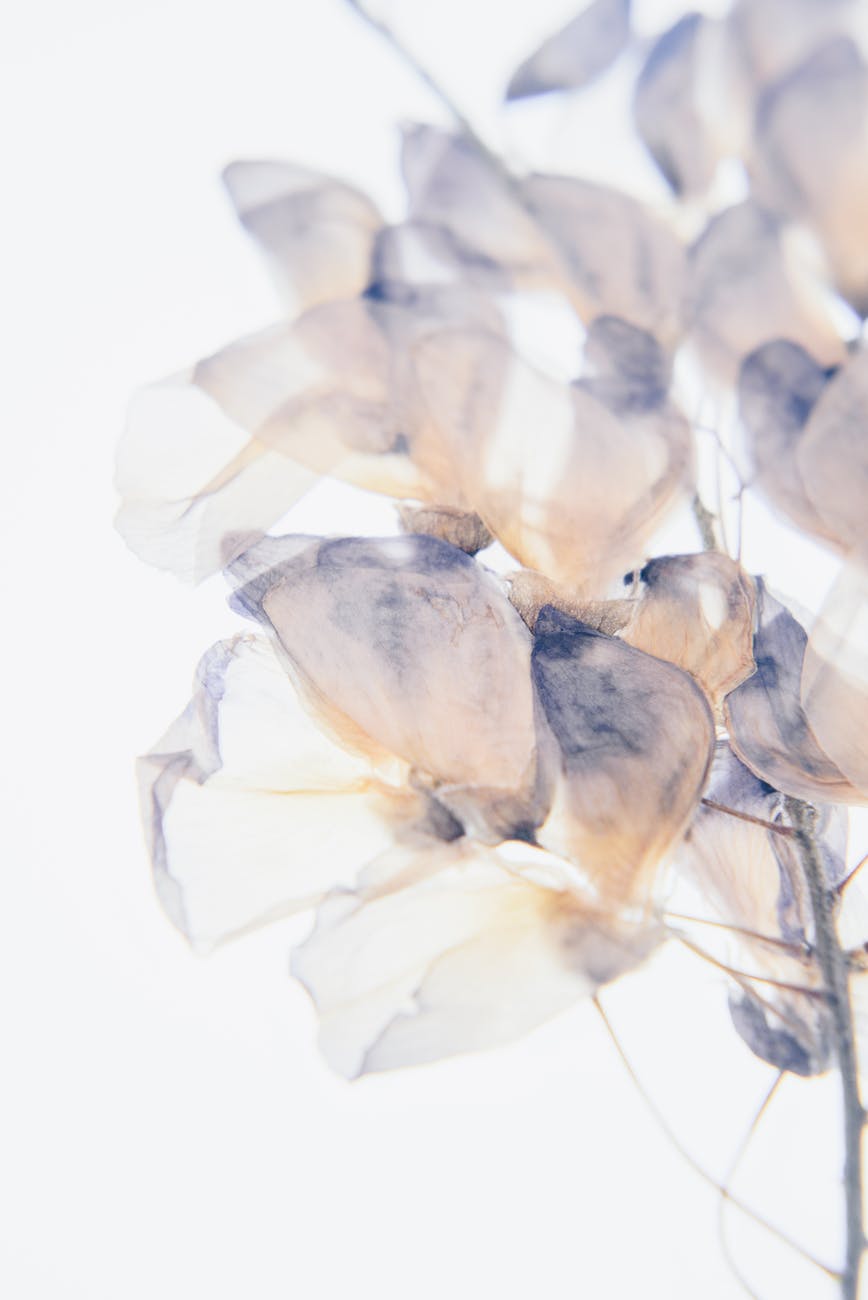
[833, 965]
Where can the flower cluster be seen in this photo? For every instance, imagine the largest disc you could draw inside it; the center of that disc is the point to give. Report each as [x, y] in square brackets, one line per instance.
[483, 780]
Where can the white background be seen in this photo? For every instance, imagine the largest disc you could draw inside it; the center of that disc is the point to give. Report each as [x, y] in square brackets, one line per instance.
[168, 1128]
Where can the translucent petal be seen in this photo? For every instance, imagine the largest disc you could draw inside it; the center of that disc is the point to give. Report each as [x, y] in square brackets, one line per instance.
[571, 479]
[752, 880]
[635, 737]
[696, 611]
[811, 157]
[832, 455]
[767, 724]
[779, 386]
[317, 232]
[251, 811]
[197, 488]
[776, 35]
[578, 53]
[687, 95]
[835, 674]
[468, 954]
[743, 291]
[411, 645]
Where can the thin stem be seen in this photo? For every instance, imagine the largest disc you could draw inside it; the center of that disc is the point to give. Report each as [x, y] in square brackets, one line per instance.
[705, 523]
[786, 831]
[834, 969]
[730, 1177]
[697, 1168]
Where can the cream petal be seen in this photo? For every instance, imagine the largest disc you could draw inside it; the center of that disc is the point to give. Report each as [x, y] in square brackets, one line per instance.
[779, 386]
[685, 139]
[616, 257]
[751, 879]
[775, 36]
[196, 487]
[422, 253]
[811, 157]
[743, 290]
[317, 233]
[635, 737]
[251, 812]
[571, 479]
[407, 642]
[576, 54]
[696, 611]
[467, 954]
[835, 674]
[832, 455]
[766, 721]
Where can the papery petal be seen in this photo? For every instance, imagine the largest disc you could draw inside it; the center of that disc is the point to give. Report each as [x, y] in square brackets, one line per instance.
[778, 388]
[317, 233]
[835, 674]
[833, 454]
[775, 36]
[616, 256]
[572, 480]
[743, 291]
[461, 953]
[696, 611]
[752, 879]
[685, 134]
[411, 647]
[635, 737]
[196, 487]
[576, 54]
[811, 157]
[767, 724]
[251, 811]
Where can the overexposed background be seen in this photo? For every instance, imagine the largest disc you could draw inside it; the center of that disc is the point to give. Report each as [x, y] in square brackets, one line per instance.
[168, 1127]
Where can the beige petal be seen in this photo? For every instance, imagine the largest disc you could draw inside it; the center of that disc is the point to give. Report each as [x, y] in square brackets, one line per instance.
[744, 289]
[252, 812]
[317, 233]
[835, 674]
[468, 954]
[832, 455]
[635, 737]
[409, 646]
[577, 54]
[775, 36]
[751, 879]
[571, 479]
[768, 728]
[811, 157]
[696, 611]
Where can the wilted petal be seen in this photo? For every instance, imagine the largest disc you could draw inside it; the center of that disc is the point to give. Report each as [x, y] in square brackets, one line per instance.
[635, 737]
[833, 454]
[412, 648]
[767, 724]
[752, 880]
[743, 291]
[696, 611]
[687, 97]
[576, 54]
[463, 952]
[778, 388]
[196, 487]
[571, 479]
[615, 256]
[835, 674]
[317, 232]
[812, 157]
[775, 36]
[253, 812]
[466, 531]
